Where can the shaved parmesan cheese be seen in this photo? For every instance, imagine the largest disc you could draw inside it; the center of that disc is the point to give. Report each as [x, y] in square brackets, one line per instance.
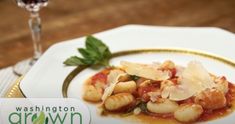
[166, 92]
[154, 95]
[112, 80]
[145, 71]
[193, 80]
[176, 93]
[196, 77]
[179, 70]
[156, 64]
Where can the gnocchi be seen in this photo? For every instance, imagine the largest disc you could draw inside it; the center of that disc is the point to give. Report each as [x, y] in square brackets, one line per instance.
[125, 87]
[92, 94]
[188, 112]
[119, 102]
[163, 107]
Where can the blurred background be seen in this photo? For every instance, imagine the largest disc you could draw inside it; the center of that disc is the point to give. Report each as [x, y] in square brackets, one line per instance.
[67, 19]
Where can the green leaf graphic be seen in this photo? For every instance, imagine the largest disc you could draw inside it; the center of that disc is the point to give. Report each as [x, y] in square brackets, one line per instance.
[46, 121]
[34, 117]
[40, 119]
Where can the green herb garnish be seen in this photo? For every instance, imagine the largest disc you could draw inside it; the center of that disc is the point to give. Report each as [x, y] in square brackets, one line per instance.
[143, 107]
[135, 78]
[95, 53]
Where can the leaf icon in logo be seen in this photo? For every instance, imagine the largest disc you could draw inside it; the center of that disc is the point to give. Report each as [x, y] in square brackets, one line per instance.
[40, 119]
[34, 117]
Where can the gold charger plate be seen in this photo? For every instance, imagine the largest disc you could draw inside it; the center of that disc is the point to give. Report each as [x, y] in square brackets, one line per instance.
[14, 91]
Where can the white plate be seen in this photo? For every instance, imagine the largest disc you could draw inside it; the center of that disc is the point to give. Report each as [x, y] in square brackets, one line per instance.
[46, 78]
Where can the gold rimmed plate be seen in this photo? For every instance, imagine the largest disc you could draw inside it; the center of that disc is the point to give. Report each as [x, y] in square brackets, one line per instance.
[47, 76]
[74, 82]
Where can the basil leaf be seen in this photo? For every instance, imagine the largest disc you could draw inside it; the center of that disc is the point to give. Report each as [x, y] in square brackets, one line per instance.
[143, 107]
[134, 77]
[95, 53]
[73, 61]
[93, 43]
[91, 55]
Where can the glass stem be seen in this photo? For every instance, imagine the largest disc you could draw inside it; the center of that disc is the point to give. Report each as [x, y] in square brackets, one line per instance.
[35, 27]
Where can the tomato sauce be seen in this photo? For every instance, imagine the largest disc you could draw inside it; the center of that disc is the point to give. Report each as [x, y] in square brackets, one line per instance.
[152, 118]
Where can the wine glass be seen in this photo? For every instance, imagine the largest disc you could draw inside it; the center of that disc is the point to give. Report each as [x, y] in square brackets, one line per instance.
[33, 6]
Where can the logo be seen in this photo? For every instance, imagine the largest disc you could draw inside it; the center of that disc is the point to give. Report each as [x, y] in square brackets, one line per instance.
[43, 111]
